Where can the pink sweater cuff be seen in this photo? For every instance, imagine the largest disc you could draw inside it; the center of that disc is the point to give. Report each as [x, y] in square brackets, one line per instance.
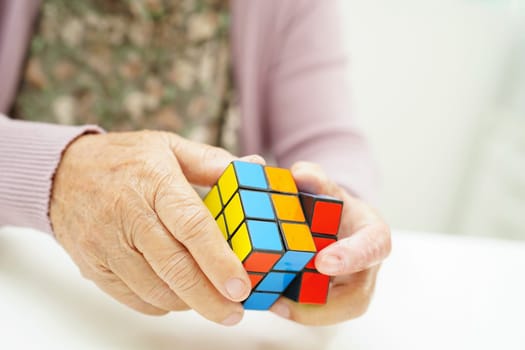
[29, 156]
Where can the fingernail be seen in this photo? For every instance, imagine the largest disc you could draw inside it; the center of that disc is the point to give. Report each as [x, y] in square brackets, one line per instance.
[236, 288]
[331, 264]
[233, 319]
[282, 310]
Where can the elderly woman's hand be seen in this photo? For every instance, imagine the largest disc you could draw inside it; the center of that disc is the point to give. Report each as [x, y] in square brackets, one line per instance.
[122, 206]
[364, 241]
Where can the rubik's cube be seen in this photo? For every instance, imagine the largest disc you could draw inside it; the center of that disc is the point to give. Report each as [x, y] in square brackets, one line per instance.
[259, 211]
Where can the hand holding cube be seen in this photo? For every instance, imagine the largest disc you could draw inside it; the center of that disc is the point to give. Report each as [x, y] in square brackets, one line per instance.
[275, 231]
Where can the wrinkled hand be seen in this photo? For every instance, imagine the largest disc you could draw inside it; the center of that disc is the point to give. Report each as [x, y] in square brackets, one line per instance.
[364, 241]
[122, 206]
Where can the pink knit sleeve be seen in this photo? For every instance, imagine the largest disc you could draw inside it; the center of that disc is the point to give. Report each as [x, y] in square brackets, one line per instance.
[29, 156]
[291, 70]
[309, 99]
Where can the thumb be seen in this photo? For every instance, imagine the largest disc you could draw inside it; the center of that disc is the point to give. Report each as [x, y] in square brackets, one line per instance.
[203, 164]
[363, 249]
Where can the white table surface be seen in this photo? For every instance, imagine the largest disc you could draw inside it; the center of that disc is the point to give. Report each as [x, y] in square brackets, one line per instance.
[434, 292]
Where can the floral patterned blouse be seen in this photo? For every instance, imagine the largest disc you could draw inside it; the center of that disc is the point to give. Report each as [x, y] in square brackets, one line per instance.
[132, 64]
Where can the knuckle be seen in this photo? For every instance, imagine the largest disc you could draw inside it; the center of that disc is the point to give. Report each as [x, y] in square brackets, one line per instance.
[154, 177]
[188, 282]
[194, 225]
[210, 153]
[140, 224]
[189, 215]
[135, 217]
[193, 221]
[158, 293]
[164, 185]
[180, 273]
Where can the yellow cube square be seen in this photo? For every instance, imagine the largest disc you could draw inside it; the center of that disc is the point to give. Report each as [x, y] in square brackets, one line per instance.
[288, 207]
[280, 180]
[213, 202]
[298, 237]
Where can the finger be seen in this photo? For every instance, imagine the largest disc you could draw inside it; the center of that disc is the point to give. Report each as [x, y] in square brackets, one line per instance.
[184, 215]
[203, 164]
[363, 249]
[138, 275]
[311, 178]
[345, 302]
[115, 287]
[174, 265]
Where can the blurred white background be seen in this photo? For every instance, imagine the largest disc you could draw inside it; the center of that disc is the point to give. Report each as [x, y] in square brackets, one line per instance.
[439, 89]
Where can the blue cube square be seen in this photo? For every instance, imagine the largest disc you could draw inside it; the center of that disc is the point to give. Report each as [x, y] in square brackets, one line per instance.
[293, 261]
[250, 175]
[257, 205]
[276, 282]
[260, 301]
[264, 235]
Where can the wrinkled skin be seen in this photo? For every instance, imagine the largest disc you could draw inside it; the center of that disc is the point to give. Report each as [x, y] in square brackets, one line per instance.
[124, 209]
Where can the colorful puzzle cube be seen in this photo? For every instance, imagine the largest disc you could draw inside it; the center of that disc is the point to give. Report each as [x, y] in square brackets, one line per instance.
[259, 213]
[323, 215]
